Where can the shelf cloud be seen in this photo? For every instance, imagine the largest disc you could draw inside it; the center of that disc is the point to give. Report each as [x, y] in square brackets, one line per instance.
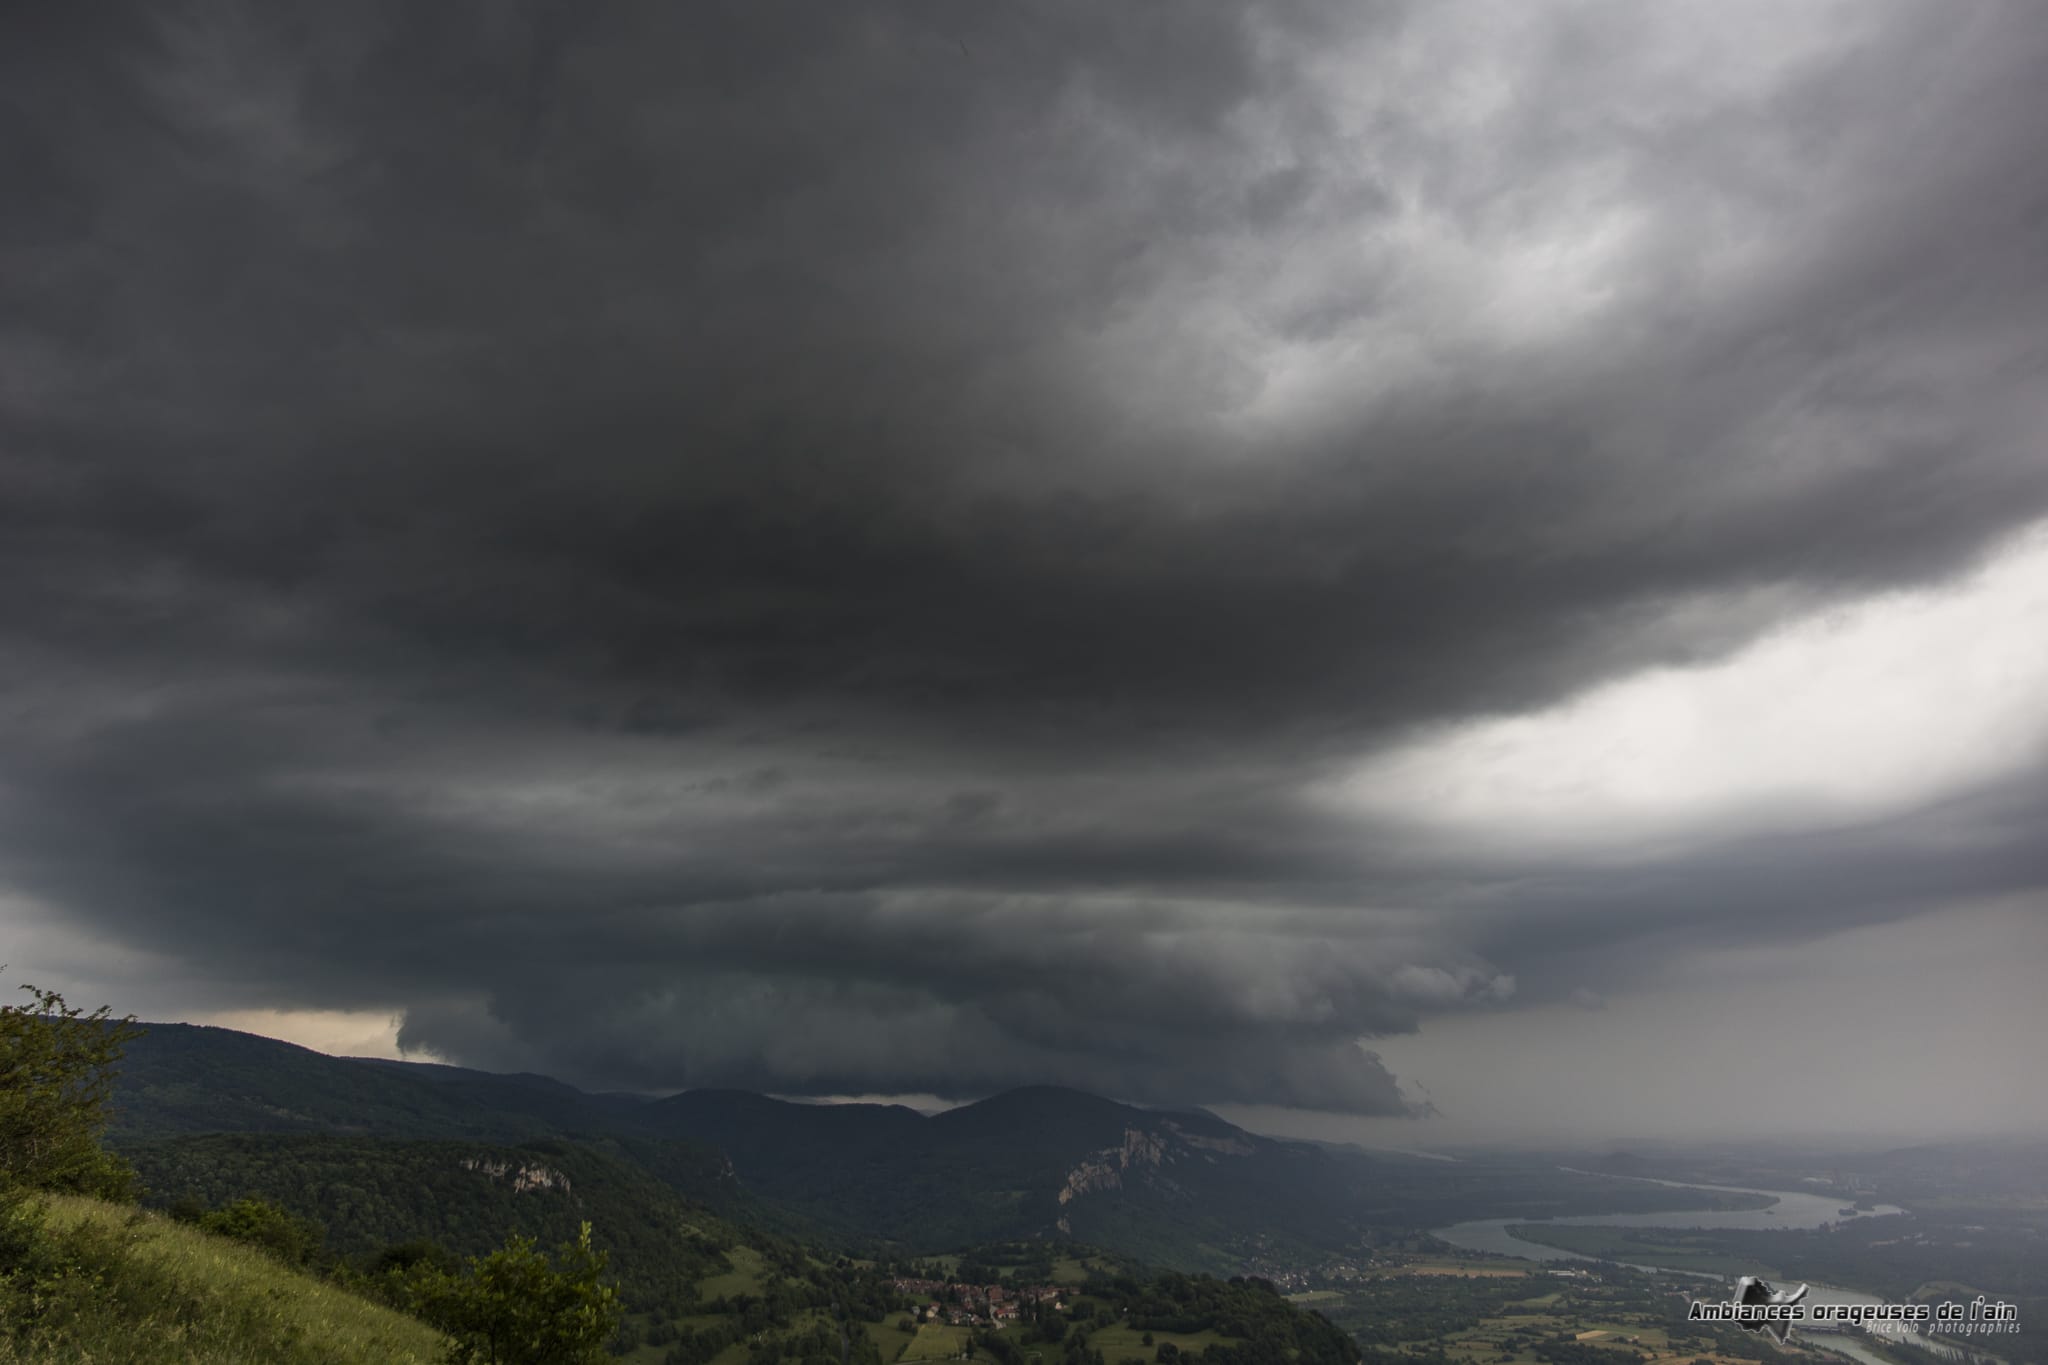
[1178, 549]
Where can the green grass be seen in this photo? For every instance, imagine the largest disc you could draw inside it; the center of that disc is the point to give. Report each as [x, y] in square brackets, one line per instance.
[935, 1341]
[1072, 1270]
[1124, 1340]
[153, 1292]
[745, 1277]
[889, 1339]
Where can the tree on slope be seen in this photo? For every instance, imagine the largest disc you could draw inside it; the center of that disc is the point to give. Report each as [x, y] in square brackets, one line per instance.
[515, 1308]
[56, 1073]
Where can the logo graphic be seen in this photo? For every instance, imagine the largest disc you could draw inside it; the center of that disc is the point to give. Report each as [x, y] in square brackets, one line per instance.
[1752, 1292]
[1759, 1307]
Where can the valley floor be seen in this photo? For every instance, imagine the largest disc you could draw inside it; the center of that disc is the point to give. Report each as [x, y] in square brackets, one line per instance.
[1453, 1311]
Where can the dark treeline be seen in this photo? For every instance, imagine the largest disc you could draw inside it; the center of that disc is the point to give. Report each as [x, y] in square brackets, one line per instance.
[367, 1195]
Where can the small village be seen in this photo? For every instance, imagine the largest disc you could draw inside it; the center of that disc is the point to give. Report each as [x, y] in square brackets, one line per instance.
[955, 1304]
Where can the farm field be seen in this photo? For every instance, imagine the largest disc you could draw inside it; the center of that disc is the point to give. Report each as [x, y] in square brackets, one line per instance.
[1486, 1270]
[1437, 1311]
[935, 1341]
[1122, 1341]
[1663, 1247]
[1072, 1270]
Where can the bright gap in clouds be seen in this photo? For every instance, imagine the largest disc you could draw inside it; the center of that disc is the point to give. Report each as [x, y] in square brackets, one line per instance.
[338, 1033]
[1850, 713]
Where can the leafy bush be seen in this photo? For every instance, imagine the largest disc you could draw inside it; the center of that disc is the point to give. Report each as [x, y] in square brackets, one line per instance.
[403, 1257]
[515, 1308]
[295, 1241]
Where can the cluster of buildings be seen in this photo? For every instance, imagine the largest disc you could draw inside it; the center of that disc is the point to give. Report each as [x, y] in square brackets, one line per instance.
[976, 1305]
[1286, 1280]
[1290, 1278]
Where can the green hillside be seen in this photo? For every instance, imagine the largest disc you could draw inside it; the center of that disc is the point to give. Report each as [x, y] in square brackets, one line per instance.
[1176, 1189]
[86, 1280]
[1181, 1189]
[141, 1288]
[466, 1196]
[186, 1078]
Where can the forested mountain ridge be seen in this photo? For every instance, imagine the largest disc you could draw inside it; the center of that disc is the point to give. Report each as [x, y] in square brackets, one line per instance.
[180, 1079]
[700, 1291]
[370, 1193]
[1179, 1188]
[1170, 1187]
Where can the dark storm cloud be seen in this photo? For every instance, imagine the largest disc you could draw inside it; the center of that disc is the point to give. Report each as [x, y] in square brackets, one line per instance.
[815, 546]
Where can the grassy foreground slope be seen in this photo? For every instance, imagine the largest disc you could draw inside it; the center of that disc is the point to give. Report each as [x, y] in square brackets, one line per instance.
[144, 1289]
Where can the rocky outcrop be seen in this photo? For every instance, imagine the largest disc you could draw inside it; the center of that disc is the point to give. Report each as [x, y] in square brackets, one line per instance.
[1109, 1168]
[1105, 1169]
[1226, 1146]
[525, 1177]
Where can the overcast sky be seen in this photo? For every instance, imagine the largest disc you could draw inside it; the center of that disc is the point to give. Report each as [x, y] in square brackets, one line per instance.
[1422, 572]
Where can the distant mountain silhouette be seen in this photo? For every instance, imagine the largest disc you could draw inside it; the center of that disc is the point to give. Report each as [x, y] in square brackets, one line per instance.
[188, 1078]
[1181, 1186]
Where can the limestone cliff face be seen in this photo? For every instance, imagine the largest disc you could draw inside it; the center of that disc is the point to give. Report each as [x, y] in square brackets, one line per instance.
[1144, 1149]
[525, 1177]
[1105, 1169]
[1226, 1146]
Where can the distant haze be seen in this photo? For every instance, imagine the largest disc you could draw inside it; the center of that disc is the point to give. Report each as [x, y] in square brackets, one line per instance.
[1427, 573]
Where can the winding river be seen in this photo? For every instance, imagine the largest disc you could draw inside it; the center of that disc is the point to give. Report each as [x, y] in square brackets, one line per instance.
[1787, 1210]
